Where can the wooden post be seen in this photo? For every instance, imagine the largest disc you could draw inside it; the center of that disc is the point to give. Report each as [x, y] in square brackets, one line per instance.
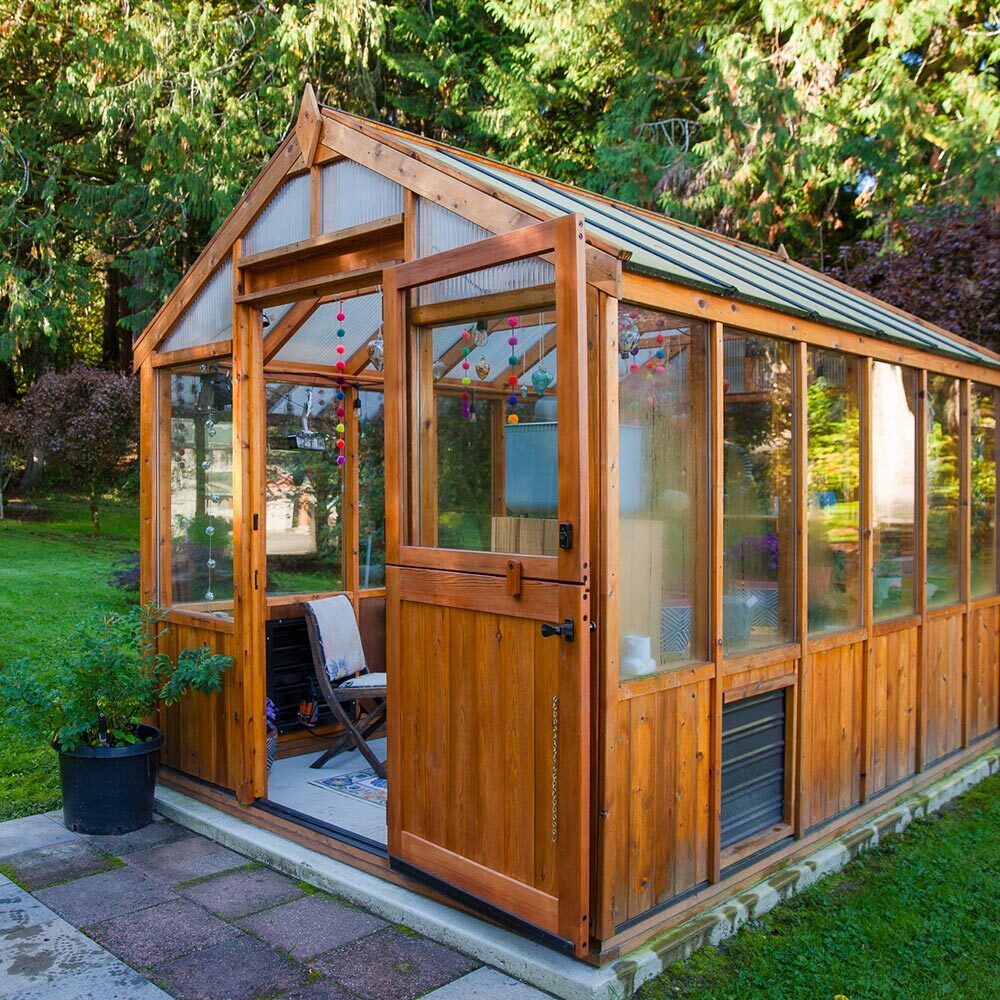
[921, 567]
[163, 551]
[350, 548]
[249, 561]
[716, 416]
[867, 576]
[965, 549]
[800, 409]
[148, 460]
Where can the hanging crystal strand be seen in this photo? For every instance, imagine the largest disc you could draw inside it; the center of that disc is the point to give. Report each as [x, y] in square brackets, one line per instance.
[340, 396]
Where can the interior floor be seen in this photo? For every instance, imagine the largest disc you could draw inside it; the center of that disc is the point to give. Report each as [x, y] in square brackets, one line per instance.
[351, 797]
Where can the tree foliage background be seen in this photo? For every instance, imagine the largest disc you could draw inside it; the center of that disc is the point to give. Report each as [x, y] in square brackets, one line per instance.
[130, 128]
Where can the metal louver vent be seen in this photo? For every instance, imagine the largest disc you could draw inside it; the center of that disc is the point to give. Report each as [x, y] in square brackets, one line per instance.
[753, 765]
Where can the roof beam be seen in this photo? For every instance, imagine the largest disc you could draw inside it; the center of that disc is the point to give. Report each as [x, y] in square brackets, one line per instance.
[326, 284]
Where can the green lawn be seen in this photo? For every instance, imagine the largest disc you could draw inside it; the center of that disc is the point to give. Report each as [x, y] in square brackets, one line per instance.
[52, 573]
[915, 918]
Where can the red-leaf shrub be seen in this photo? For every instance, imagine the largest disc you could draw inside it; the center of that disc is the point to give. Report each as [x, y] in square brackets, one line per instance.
[945, 270]
[13, 444]
[86, 421]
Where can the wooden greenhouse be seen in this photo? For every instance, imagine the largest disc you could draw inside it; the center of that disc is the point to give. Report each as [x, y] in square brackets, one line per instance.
[755, 510]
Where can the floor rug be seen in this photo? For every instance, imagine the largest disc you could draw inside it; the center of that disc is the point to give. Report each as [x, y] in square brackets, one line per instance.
[365, 785]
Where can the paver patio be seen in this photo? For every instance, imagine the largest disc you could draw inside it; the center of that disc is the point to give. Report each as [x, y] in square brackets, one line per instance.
[200, 922]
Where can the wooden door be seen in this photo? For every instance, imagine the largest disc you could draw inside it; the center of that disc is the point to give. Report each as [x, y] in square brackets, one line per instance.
[489, 721]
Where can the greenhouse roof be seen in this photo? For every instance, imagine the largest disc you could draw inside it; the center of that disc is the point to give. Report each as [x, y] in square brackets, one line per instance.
[656, 245]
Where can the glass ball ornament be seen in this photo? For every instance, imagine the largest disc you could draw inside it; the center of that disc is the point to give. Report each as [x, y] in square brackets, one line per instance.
[211, 564]
[524, 392]
[209, 424]
[376, 353]
[209, 596]
[438, 368]
[480, 335]
[207, 464]
[628, 337]
[210, 530]
[541, 379]
[215, 498]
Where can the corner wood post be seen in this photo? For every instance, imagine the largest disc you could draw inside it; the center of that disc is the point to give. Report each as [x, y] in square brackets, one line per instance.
[249, 602]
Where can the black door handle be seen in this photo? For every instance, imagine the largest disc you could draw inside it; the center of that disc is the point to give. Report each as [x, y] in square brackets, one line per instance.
[566, 630]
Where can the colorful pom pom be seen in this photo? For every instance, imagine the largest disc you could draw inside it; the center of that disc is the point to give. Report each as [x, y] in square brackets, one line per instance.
[341, 317]
[661, 354]
[512, 360]
[512, 321]
[512, 380]
[511, 418]
[512, 341]
[340, 366]
[340, 348]
[340, 428]
[341, 460]
[466, 380]
[660, 338]
[341, 444]
[466, 351]
[466, 335]
[633, 368]
[660, 369]
[466, 365]
[341, 332]
[512, 399]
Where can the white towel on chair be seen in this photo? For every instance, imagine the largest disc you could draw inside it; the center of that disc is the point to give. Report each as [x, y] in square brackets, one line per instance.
[343, 654]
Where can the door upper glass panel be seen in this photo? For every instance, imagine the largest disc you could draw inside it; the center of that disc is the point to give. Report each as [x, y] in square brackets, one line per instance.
[485, 367]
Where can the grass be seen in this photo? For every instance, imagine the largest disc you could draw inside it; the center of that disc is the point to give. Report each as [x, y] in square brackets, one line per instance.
[52, 574]
[915, 918]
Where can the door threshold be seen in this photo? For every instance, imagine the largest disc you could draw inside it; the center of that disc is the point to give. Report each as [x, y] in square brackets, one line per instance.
[322, 827]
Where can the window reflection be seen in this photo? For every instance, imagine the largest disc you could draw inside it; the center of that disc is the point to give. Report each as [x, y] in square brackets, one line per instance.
[663, 490]
[893, 472]
[833, 444]
[759, 498]
[943, 489]
[983, 425]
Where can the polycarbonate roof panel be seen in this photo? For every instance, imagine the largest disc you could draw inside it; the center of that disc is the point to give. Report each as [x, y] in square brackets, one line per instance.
[315, 341]
[695, 257]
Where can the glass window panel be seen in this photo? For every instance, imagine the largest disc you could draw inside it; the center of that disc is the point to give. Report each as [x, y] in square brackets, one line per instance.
[371, 485]
[487, 451]
[209, 318]
[353, 195]
[759, 495]
[284, 220]
[983, 424]
[663, 491]
[943, 492]
[304, 489]
[834, 515]
[201, 488]
[894, 484]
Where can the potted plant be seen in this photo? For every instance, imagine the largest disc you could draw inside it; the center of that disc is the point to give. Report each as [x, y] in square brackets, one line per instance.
[90, 706]
[271, 715]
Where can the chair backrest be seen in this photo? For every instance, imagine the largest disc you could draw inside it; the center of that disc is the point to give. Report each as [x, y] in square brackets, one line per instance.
[333, 627]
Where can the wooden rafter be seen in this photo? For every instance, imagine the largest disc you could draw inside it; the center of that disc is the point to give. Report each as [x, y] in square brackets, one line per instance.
[283, 331]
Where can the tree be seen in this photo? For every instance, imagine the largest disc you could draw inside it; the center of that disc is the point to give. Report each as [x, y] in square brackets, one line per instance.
[86, 420]
[13, 444]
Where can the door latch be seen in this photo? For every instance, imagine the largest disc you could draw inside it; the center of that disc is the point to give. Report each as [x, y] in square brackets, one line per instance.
[566, 630]
[565, 535]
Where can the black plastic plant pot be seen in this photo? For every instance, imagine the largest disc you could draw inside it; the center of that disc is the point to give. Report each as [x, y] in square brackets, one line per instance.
[109, 790]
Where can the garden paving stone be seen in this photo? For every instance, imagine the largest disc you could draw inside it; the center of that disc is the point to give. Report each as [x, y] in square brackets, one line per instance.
[44, 866]
[486, 984]
[235, 970]
[392, 965]
[320, 989]
[242, 892]
[158, 832]
[162, 933]
[19, 835]
[192, 857]
[99, 897]
[312, 925]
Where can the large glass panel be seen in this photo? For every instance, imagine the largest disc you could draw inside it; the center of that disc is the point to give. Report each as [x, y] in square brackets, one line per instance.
[199, 399]
[894, 484]
[943, 491]
[371, 485]
[983, 424]
[487, 399]
[833, 444]
[759, 495]
[663, 491]
[304, 488]
[209, 318]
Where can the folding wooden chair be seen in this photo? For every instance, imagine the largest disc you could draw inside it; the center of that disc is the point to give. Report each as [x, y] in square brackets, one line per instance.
[343, 675]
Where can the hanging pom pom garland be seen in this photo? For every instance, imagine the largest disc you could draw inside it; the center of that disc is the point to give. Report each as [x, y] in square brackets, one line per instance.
[340, 396]
[512, 380]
